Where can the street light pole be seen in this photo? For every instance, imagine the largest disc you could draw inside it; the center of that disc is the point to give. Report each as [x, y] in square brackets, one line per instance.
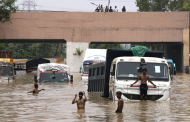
[108, 5]
[189, 27]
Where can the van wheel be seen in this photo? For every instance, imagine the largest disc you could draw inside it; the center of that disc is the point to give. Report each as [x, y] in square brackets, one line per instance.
[110, 95]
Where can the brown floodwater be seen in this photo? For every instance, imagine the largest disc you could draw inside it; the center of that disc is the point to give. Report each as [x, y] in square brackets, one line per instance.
[54, 104]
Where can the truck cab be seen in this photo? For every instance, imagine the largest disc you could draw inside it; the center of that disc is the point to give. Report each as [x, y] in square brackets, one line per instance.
[125, 71]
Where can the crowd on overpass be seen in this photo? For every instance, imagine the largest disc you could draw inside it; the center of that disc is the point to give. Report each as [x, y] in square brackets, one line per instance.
[106, 9]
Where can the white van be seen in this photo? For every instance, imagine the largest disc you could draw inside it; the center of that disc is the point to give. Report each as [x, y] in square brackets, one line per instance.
[92, 56]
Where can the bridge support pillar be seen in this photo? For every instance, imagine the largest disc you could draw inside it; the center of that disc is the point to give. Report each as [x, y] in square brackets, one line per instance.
[185, 48]
[74, 61]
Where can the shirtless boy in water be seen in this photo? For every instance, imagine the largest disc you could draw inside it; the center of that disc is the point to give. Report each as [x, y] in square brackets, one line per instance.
[120, 102]
[143, 86]
[80, 102]
[35, 91]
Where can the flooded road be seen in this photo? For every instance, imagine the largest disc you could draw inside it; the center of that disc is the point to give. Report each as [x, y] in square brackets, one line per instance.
[54, 104]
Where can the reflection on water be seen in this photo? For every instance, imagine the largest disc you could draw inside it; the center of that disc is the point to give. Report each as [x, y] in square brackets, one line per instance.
[54, 104]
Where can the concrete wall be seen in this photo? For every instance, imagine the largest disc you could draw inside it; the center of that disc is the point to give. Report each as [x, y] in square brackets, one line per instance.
[75, 61]
[97, 27]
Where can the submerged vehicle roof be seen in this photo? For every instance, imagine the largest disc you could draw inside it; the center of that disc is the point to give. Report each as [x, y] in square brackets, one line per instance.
[52, 66]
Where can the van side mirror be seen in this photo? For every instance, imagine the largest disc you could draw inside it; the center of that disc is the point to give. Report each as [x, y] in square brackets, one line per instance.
[140, 70]
[143, 62]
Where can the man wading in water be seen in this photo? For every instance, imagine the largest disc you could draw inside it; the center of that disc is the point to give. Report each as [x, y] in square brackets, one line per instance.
[80, 102]
[35, 91]
[143, 86]
[120, 102]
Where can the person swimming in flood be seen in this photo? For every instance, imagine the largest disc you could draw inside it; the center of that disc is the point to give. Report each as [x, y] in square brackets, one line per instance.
[35, 91]
[80, 102]
[143, 86]
[120, 102]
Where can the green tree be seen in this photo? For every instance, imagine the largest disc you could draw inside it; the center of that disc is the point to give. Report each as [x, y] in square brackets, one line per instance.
[162, 5]
[185, 6]
[2, 46]
[28, 50]
[6, 8]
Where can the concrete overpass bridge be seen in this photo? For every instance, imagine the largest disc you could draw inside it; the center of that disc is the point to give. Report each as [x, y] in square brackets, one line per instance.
[79, 29]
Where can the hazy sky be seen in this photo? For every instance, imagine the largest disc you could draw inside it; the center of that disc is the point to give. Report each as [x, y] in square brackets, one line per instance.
[80, 5]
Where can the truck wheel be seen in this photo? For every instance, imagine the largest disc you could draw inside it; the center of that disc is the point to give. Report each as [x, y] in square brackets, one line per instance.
[110, 95]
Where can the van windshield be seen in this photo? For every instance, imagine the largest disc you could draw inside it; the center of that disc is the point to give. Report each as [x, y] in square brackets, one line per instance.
[6, 71]
[129, 70]
[48, 77]
[86, 69]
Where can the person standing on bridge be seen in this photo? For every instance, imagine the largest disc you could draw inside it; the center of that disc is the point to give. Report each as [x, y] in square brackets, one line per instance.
[123, 9]
[97, 10]
[106, 9]
[115, 10]
[143, 86]
[101, 9]
[80, 102]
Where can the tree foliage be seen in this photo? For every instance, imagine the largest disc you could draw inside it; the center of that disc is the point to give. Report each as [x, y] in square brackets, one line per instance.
[29, 50]
[6, 8]
[162, 5]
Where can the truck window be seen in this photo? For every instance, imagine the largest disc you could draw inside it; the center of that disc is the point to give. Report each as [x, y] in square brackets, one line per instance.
[129, 70]
[113, 70]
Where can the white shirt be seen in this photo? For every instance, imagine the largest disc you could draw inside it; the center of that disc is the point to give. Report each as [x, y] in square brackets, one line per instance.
[115, 10]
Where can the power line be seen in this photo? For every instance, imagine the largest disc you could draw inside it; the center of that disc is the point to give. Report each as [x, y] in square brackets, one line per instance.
[112, 0]
[29, 4]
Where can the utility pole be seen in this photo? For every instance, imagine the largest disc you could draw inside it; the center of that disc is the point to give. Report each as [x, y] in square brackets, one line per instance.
[108, 5]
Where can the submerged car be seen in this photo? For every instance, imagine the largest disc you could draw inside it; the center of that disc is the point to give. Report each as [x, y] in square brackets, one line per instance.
[53, 72]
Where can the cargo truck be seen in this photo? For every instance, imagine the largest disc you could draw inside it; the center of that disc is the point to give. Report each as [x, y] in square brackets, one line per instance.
[122, 68]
